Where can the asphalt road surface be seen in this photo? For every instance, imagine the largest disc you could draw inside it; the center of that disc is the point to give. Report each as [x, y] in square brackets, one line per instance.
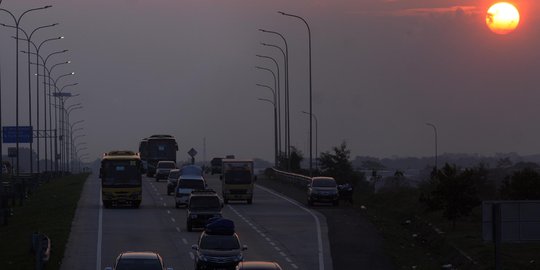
[274, 228]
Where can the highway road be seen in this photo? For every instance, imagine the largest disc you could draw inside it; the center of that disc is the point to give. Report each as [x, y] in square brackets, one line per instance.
[274, 228]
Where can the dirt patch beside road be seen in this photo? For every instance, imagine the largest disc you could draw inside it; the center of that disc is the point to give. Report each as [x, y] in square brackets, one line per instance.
[354, 242]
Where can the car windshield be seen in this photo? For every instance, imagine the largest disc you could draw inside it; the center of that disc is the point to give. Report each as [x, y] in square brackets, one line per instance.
[204, 202]
[220, 242]
[191, 183]
[166, 165]
[324, 183]
[139, 264]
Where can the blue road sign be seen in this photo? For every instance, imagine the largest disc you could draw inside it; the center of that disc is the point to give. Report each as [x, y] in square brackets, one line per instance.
[9, 134]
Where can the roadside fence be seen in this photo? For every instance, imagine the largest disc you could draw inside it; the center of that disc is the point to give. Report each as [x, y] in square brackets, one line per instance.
[15, 190]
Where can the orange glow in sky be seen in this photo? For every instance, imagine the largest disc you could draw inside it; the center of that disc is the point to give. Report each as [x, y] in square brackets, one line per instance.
[502, 18]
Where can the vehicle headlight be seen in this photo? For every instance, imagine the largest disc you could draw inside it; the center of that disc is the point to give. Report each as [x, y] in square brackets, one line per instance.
[202, 258]
[239, 258]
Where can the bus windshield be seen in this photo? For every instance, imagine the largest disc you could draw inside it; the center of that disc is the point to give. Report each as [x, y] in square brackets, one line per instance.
[120, 172]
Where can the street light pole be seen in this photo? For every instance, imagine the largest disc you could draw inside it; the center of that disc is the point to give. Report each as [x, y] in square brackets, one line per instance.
[275, 122]
[47, 92]
[310, 92]
[29, 41]
[435, 131]
[316, 139]
[276, 87]
[56, 115]
[287, 106]
[286, 144]
[17, 22]
[67, 125]
[275, 128]
[278, 101]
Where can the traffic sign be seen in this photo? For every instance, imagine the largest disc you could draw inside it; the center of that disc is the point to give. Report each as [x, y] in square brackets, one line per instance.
[192, 152]
[9, 134]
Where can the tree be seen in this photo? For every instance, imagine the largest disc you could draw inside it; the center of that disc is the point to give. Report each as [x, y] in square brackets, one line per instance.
[337, 164]
[455, 193]
[523, 185]
[296, 160]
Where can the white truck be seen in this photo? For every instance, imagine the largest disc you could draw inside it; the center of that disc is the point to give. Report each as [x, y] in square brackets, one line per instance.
[237, 180]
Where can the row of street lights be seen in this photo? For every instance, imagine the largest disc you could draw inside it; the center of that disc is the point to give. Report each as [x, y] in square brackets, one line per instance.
[277, 101]
[277, 98]
[49, 131]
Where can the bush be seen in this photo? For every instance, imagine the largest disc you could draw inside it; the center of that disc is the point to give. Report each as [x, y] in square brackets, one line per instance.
[523, 185]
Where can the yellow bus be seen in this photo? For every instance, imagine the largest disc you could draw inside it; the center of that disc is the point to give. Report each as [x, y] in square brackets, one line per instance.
[121, 181]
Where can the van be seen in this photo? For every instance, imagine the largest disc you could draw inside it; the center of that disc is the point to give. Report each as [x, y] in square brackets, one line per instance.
[185, 185]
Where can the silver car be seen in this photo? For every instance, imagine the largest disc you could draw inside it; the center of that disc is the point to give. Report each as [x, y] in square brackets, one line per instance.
[322, 189]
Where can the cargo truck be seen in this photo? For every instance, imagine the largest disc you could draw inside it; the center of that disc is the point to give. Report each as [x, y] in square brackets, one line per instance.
[237, 180]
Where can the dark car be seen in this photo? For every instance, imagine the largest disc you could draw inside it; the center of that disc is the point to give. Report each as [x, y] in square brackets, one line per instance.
[146, 260]
[174, 174]
[258, 265]
[323, 189]
[163, 168]
[218, 249]
[215, 164]
[202, 206]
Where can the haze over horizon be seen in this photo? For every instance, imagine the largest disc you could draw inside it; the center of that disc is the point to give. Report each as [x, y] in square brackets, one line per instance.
[382, 69]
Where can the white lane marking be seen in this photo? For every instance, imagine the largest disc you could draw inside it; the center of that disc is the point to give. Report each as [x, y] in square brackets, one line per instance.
[294, 265]
[161, 198]
[165, 204]
[185, 241]
[173, 220]
[191, 255]
[260, 233]
[99, 236]
[169, 212]
[178, 229]
[317, 222]
[288, 260]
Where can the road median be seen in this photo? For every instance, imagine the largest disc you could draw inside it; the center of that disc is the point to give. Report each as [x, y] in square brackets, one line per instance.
[50, 211]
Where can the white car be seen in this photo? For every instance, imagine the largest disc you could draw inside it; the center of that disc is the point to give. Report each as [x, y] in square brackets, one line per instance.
[322, 189]
[185, 185]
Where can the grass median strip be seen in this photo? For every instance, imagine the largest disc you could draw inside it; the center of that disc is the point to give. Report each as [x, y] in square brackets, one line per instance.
[49, 210]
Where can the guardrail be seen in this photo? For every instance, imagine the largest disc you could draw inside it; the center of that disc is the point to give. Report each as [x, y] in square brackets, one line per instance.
[292, 178]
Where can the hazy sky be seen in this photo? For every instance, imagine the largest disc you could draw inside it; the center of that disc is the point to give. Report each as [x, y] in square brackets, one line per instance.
[381, 70]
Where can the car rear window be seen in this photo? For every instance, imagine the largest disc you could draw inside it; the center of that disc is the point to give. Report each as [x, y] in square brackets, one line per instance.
[220, 242]
[191, 183]
[166, 165]
[139, 264]
[174, 175]
[324, 183]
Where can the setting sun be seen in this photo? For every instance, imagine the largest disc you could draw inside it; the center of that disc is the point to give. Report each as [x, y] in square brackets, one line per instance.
[502, 18]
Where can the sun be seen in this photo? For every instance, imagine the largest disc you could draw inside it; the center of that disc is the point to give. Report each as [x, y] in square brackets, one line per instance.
[502, 18]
